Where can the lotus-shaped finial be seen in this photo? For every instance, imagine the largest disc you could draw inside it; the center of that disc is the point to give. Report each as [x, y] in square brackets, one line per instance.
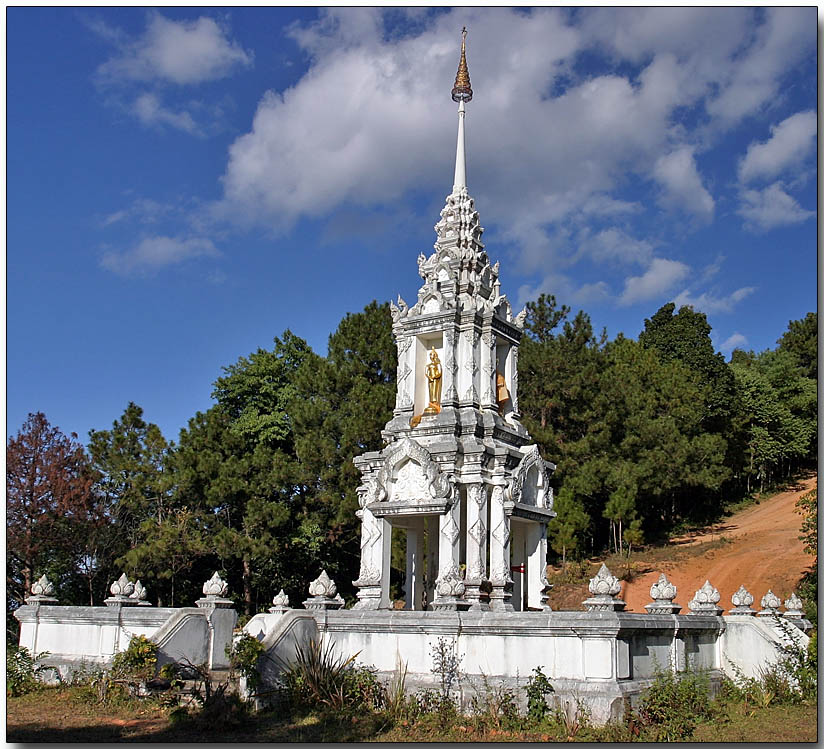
[42, 587]
[215, 586]
[122, 587]
[604, 583]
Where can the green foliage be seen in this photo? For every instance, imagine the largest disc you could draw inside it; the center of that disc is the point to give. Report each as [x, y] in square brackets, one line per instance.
[572, 715]
[22, 670]
[566, 530]
[685, 337]
[538, 688]
[671, 707]
[437, 703]
[244, 655]
[138, 661]
[799, 665]
[807, 507]
[255, 392]
[497, 707]
[318, 677]
[235, 469]
[777, 425]
[801, 340]
[343, 402]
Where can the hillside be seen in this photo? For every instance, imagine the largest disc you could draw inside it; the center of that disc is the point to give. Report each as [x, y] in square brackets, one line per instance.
[757, 547]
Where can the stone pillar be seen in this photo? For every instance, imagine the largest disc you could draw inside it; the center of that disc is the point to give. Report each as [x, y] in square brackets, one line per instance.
[432, 540]
[468, 366]
[513, 380]
[499, 573]
[449, 394]
[487, 353]
[476, 544]
[414, 566]
[376, 547]
[405, 392]
[449, 585]
[518, 564]
[538, 586]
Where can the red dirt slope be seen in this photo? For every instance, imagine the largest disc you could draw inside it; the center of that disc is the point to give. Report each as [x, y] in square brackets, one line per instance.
[764, 552]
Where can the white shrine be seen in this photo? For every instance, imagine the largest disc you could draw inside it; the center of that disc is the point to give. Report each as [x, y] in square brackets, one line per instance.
[460, 480]
[458, 476]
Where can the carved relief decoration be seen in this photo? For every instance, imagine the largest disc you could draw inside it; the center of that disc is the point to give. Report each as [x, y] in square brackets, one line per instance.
[530, 482]
[409, 474]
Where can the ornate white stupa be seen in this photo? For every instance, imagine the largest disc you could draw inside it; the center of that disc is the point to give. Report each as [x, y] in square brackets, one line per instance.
[458, 475]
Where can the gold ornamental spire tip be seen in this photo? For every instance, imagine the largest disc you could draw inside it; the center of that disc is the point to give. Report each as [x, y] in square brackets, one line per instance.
[463, 88]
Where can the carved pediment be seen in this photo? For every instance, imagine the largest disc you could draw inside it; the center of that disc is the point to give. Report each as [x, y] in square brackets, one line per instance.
[408, 475]
[530, 482]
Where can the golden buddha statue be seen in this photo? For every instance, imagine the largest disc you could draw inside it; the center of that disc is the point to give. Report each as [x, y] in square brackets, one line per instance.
[434, 375]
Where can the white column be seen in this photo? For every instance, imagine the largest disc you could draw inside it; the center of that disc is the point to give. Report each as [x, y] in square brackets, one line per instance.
[499, 553]
[385, 547]
[449, 586]
[465, 366]
[414, 566]
[376, 547]
[518, 560]
[405, 392]
[449, 393]
[488, 395]
[432, 541]
[513, 380]
[476, 543]
[537, 586]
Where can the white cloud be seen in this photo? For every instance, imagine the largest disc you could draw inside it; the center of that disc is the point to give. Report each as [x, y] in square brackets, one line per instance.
[181, 52]
[661, 276]
[677, 174]
[153, 253]
[709, 303]
[366, 124]
[565, 290]
[711, 271]
[150, 111]
[771, 207]
[614, 244]
[143, 211]
[736, 340]
[754, 80]
[791, 141]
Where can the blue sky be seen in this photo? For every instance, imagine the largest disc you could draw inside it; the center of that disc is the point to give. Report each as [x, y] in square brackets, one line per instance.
[183, 184]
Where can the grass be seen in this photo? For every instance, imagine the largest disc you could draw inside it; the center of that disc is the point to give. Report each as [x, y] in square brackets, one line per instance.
[66, 714]
[784, 723]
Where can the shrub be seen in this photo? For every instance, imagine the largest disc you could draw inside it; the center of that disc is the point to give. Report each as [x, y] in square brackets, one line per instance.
[320, 678]
[244, 654]
[496, 708]
[538, 689]
[22, 670]
[137, 661]
[445, 664]
[397, 705]
[435, 702]
[799, 665]
[571, 717]
[670, 708]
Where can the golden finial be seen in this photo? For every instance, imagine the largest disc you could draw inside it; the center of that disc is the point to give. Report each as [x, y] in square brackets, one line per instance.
[463, 88]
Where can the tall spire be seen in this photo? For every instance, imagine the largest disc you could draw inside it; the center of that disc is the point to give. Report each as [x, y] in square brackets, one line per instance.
[461, 92]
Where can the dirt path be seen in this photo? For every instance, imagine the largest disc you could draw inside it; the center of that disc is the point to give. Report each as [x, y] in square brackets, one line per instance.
[763, 553]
